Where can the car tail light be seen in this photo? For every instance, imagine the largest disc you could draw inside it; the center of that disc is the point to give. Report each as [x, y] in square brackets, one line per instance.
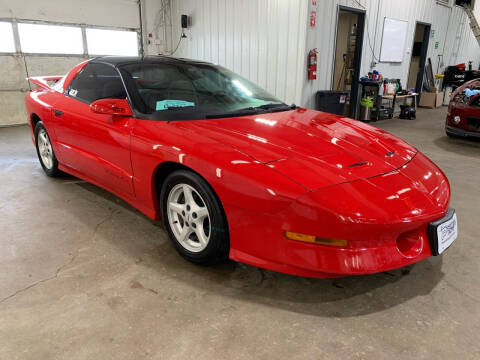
[315, 239]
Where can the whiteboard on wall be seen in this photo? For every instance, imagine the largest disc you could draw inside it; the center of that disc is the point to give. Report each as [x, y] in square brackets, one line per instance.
[393, 40]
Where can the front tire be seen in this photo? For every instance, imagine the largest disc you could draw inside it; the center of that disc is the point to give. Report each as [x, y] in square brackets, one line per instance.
[194, 219]
[45, 152]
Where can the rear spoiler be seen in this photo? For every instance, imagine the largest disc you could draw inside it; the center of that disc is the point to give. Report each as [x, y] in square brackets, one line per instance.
[43, 81]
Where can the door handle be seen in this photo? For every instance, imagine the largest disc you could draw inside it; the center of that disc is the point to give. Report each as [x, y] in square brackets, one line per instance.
[57, 112]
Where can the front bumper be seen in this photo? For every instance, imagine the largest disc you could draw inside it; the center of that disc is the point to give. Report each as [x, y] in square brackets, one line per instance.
[384, 219]
[460, 132]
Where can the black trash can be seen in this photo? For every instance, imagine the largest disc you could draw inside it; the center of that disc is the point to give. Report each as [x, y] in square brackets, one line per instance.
[331, 101]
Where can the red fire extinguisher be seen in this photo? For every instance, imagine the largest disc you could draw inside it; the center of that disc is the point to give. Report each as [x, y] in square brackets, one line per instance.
[312, 64]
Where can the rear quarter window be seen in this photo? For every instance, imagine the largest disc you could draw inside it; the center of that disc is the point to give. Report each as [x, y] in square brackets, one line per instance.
[97, 81]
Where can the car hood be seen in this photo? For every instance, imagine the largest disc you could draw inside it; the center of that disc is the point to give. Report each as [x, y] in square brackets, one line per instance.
[312, 148]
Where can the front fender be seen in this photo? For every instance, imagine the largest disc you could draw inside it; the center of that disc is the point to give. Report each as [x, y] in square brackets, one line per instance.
[237, 179]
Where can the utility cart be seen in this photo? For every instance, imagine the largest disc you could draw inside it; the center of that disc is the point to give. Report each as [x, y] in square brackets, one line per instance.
[379, 110]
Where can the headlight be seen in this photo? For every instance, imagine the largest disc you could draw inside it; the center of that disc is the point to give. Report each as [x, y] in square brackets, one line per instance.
[456, 119]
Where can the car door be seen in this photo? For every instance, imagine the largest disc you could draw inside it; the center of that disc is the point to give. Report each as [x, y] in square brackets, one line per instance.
[96, 146]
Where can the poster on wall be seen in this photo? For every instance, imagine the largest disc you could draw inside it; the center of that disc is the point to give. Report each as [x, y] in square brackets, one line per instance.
[313, 18]
[313, 13]
[393, 40]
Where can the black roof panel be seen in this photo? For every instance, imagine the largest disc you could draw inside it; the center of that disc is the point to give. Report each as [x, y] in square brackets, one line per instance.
[160, 59]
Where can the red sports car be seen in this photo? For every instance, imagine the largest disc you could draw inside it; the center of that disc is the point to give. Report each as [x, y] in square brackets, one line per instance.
[463, 117]
[235, 173]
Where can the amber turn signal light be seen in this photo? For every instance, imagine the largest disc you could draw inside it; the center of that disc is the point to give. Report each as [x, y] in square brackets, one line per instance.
[315, 239]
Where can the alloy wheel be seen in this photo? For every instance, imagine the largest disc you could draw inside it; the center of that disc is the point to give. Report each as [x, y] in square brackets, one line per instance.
[188, 217]
[45, 149]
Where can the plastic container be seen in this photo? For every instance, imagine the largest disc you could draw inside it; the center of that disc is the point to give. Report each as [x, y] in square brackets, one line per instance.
[331, 101]
[391, 88]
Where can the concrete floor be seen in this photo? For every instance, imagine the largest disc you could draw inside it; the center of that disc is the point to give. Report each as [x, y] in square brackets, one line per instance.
[85, 276]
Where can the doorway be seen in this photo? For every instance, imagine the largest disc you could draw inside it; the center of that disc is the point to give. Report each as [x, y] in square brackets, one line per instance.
[419, 56]
[348, 55]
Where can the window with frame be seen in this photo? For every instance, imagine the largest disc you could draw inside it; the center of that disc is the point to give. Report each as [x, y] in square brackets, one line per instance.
[112, 42]
[97, 81]
[50, 39]
[7, 42]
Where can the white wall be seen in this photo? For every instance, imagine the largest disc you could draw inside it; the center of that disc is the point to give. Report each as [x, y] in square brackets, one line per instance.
[263, 41]
[446, 23]
[156, 18]
[115, 13]
[266, 41]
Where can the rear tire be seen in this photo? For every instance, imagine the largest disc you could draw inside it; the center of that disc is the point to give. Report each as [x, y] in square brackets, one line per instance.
[194, 219]
[45, 152]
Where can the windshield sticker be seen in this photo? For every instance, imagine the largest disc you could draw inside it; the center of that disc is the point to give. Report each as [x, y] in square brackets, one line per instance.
[168, 104]
[73, 92]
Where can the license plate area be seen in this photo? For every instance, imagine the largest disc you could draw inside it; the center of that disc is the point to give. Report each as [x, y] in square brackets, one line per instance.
[443, 232]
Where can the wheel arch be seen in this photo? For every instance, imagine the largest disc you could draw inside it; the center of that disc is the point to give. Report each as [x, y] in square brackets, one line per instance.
[166, 168]
[34, 119]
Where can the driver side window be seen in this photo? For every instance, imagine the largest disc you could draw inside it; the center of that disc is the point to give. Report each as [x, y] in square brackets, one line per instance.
[97, 81]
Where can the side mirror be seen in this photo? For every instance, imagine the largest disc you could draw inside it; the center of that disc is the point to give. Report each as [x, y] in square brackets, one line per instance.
[118, 107]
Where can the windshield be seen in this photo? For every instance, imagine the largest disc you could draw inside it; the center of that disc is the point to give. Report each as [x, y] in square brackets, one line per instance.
[194, 91]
